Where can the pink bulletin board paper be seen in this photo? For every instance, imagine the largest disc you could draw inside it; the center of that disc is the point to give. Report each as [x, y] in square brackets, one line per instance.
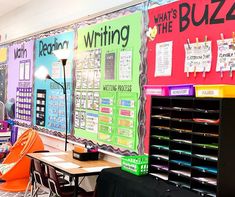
[178, 22]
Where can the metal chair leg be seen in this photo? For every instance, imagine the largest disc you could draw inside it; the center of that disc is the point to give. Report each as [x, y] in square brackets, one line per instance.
[35, 193]
[28, 188]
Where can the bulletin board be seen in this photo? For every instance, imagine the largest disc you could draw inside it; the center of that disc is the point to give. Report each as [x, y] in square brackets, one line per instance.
[3, 72]
[20, 83]
[49, 105]
[107, 82]
[185, 24]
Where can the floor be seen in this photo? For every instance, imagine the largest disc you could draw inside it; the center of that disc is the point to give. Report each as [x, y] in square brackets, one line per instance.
[18, 194]
[7, 194]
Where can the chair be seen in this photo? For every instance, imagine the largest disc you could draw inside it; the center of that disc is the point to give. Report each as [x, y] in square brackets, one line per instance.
[17, 177]
[53, 182]
[30, 186]
[38, 177]
[61, 190]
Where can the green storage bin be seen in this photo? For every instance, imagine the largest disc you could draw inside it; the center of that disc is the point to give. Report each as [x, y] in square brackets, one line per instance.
[137, 165]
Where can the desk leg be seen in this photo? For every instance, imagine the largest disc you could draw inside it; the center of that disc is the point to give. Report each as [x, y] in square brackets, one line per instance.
[76, 186]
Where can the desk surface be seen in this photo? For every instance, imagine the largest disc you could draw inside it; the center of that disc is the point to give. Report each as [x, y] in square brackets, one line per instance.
[86, 167]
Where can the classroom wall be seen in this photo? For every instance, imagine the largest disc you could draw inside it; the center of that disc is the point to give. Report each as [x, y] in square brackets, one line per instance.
[37, 16]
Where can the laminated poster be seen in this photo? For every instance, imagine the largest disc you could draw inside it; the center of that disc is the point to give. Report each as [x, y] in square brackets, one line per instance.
[40, 107]
[198, 57]
[125, 142]
[68, 69]
[83, 100]
[21, 71]
[226, 55]
[104, 137]
[78, 79]
[96, 101]
[110, 66]
[125, 65]
[106, 110]
[89, 59]
[56, 73]
[56, 114]
[105, 128]
[96, 79]
[125, 132]
[90, 79]
[127, 103]
[77, 100]
[92, 122]
[27, 70]
[125, 123]
[82, 117]
[106, 101]
[163, 65]
[105, 119]
[84, 79]
[126, 112]
[76, 119]
[24, 70]
[89, 100]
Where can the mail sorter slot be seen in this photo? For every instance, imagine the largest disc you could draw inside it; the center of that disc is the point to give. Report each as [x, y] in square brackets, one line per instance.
[86, 156]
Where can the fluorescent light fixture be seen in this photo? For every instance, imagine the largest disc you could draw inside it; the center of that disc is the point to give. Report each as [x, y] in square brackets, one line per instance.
[62, 54]
[41, 73]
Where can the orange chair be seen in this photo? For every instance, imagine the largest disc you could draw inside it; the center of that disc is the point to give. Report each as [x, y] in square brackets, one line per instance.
[17, 177]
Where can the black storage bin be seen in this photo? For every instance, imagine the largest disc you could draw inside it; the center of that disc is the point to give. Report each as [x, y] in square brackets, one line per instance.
[86, 156]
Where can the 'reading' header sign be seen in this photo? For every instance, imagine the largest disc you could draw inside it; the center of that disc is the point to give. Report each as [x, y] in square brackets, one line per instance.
[194, 13]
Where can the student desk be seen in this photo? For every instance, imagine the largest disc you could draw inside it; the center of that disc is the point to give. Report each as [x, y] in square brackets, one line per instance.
[87, 168]
[117, 183]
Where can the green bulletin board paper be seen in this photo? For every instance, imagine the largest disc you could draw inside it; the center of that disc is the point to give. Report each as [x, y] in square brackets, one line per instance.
[119, 41]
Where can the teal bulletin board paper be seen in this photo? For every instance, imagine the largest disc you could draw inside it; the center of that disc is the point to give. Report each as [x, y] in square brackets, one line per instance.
[54, 103]
[119, 41]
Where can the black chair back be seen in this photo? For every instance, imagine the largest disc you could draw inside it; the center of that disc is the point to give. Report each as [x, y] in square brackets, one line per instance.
[39, 173]
[53, 181]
